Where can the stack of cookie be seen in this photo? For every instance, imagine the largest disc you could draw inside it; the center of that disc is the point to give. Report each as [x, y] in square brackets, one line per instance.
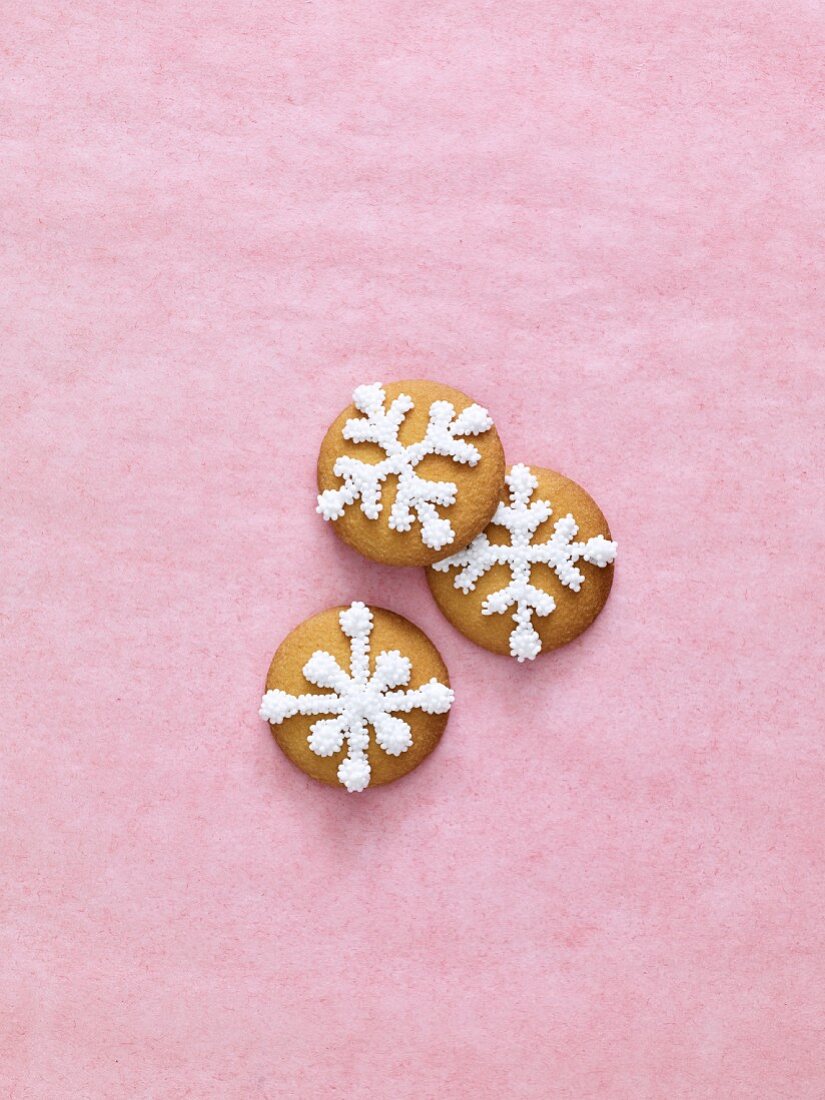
[520, 560]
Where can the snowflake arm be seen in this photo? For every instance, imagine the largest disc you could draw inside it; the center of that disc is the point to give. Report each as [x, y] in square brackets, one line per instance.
[361, 480]
[356, 623]
[415, 495]
[520, 594]
[472, 563]
[598, 551]
[561, 554]
[432, 697]
[377, 425]
[279, 705]
[392, 670]
[417, 498]
[444, 430]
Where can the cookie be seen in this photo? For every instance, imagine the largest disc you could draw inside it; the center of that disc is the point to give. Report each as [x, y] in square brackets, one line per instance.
[338, 686]
[410, 472]
[549, 576]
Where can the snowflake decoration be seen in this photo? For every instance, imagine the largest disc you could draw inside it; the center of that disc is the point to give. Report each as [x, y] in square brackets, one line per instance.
[358, 699]
[522, 519]
[416, 498]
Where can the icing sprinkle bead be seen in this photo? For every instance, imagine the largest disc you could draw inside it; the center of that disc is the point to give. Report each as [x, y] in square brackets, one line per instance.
[529, 566]
[410, 472]
[327, 733]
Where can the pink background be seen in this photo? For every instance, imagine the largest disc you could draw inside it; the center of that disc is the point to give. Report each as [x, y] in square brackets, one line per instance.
[602, 221]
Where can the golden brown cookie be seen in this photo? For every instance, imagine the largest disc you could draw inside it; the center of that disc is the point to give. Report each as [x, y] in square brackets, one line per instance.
[357, 696]
[410, 472]
[549, 576]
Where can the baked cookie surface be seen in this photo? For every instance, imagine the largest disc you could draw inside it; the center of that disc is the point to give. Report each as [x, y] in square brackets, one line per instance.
[357, 696]
[410, 472]
[537, 576]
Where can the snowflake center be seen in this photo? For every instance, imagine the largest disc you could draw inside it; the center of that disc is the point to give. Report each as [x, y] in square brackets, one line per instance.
[403, 459]
[361, 702]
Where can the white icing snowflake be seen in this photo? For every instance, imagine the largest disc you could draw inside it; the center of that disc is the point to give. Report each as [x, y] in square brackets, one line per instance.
[358, 699]
[416, 497]
[522, 519]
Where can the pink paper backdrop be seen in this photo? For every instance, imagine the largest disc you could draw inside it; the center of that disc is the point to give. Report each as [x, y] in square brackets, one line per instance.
[604, 222]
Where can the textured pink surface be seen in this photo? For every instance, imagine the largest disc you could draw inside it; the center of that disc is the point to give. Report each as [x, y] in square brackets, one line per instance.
[603, 221]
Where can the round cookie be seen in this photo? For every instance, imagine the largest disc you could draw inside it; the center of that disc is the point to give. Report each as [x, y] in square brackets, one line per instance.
[410, 472]
[357, 696]
[543, 564]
